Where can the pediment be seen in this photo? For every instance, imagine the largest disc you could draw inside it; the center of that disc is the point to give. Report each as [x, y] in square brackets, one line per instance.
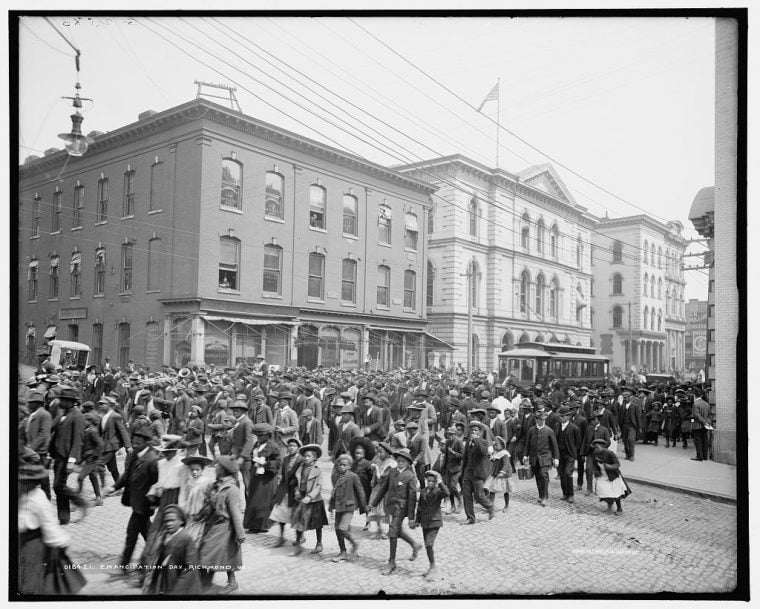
[546, 179]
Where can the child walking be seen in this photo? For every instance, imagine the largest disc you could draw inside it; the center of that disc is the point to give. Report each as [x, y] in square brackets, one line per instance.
[429, 515]
[347, 495]
[501, 472]
[309, 513]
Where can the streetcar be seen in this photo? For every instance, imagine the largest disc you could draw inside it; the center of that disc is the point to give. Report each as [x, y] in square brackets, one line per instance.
[539, 363]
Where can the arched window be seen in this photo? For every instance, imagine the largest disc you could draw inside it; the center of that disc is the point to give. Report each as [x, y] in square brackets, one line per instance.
[540, 236]
[667, 301]
[350, 215]
[429, 293]
[617, 317]
[232, 180]
[659, 320]
[646, 252]
[539, 339]
[317, 206]
[652, 260]
[646, 284]
[474, 276]
[507, 341]
[524, 338]
[474, 214]
[75, 270]
[32, 275]
[617, 252]
[659, 288]
[274, 195]
[652, 287]
[229, 263]
[553, 338]
[617, 284]
[653, 318]
[540, 295]
[659, 257]
[100, 271]
[525, 232]
[554, 240]
[55, 264]
[316, 288]
[646, 317]
[554, 298]
[524, 287]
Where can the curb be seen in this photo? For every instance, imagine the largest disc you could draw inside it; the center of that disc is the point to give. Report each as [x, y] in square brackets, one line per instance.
[689, 491]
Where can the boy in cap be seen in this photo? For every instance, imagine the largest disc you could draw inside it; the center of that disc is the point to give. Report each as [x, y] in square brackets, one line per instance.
[452, 451]
[92, 451]
[347, 494]
[429, 515]
[400, 486]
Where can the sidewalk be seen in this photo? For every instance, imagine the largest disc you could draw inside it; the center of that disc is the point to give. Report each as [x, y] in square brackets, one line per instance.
[673, 468]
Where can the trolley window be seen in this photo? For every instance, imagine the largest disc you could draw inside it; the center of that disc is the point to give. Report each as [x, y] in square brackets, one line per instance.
[526, 370]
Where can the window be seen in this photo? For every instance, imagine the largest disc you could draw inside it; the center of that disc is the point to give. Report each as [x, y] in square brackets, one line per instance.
[126, 267]
[525, 232]
[156, 184]
[78, 207]
[384, 225]
[659, 257]
[36, 216]
[100, 271]
[75, 270]
[430, 286]
[155, 265]
[229, 263]
[592, 287]
[579, 253]
[554, 240]
[646, 284]
[524, 286]
[540, 295]
[57, 208]
[350, 217]
[667, 301]
[316, 287]
[31, 277]
[410, 289]
[554, 298]
[651, 324]
[646, 252]
[128, 206]
[74, 333]
[474, 213]
[383, 286]
[617, 252]
[317, 206]
[232, 180]
[97, 344]
[101, 214]
[348, 283]
[272, 269]
[617, 317]
[646, 317]
[411, 231]
[651, 256]
[540, 237]
[274, 194]
[55, 263]
[617, 284]
[123, 344]
[651, 287]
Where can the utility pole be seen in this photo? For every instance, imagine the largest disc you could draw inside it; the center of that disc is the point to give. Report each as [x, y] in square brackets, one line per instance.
[629, 351]
[469, 320]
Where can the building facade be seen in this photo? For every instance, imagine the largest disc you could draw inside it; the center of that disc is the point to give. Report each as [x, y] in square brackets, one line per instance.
[199, 234]
[515, 249]
[639, 308]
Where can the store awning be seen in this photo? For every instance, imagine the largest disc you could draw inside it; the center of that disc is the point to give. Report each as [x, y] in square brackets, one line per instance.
[399, 330]
[411, 223]
[436, 343]
[250, 322]
[50, 332]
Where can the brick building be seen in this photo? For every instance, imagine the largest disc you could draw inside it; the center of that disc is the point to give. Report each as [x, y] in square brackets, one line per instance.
[638, 302]
[514, 246]
[201, 234]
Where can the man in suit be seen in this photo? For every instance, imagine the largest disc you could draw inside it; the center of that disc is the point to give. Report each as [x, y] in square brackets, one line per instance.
[527, 421]
[475, 472]
[260, 412]
[568, 442]
[37, 429]
[347, 430]
[578, 418]
[66, 450]
[242, 440]
[376, 422]
[140, 473]
[182, 405]
[115, 436]
[594, 431]
[541, 451]
[700, 419]
[311, 401]
[310, 429]
[495, 423]
[630, 424]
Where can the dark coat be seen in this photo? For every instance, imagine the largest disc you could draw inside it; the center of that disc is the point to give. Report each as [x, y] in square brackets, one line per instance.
[140, 473]
[177, 571]
[242, 438]
[611, 462]
[572, 440]
[600, 433]
[288, 480]
[452, 458]
[429, 507]
[475, 459]
[377, 423]
[348, 494]
[637, 420]
[38, 434]
[400, 490]
[541, 446]
[92, 445]
[310, 432]
[67, 436]
[114, 433]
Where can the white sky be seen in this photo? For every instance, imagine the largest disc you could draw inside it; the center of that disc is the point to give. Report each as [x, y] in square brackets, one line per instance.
[627, 103]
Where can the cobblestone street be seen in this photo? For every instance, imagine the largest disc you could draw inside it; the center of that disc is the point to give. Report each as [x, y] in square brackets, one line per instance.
[664, 541]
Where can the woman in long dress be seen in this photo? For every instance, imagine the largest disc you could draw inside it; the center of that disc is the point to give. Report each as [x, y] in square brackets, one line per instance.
[223, 531]
[381, 466]
[284, 496]
[610, 485]
[309, 513]
[192, 494]
[265, 467]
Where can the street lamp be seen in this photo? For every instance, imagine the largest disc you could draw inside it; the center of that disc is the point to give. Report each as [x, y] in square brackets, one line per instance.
[76, 142]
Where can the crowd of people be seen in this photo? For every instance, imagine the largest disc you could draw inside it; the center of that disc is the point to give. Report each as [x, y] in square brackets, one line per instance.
[399, 445]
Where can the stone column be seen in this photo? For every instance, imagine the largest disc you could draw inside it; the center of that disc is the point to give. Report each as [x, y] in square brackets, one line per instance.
[292, 344]
[197, 341]
[167, 360]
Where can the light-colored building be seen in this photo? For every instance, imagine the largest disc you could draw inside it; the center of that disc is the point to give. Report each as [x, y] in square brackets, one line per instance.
[514, 246]
[638, 302]
[199, 234]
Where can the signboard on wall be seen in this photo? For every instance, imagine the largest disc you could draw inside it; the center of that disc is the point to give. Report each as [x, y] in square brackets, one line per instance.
[152, 342]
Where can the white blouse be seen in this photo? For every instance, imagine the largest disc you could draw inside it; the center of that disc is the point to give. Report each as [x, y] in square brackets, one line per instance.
[36, 512]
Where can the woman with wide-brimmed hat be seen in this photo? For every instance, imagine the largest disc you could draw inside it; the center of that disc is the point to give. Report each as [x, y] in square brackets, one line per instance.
[380, 468]
[192, 493]
[223, 532]
[310, 513]
[265, 465]
[43, 566]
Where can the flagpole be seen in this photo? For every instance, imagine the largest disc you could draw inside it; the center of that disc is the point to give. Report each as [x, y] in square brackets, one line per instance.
[498, 112]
